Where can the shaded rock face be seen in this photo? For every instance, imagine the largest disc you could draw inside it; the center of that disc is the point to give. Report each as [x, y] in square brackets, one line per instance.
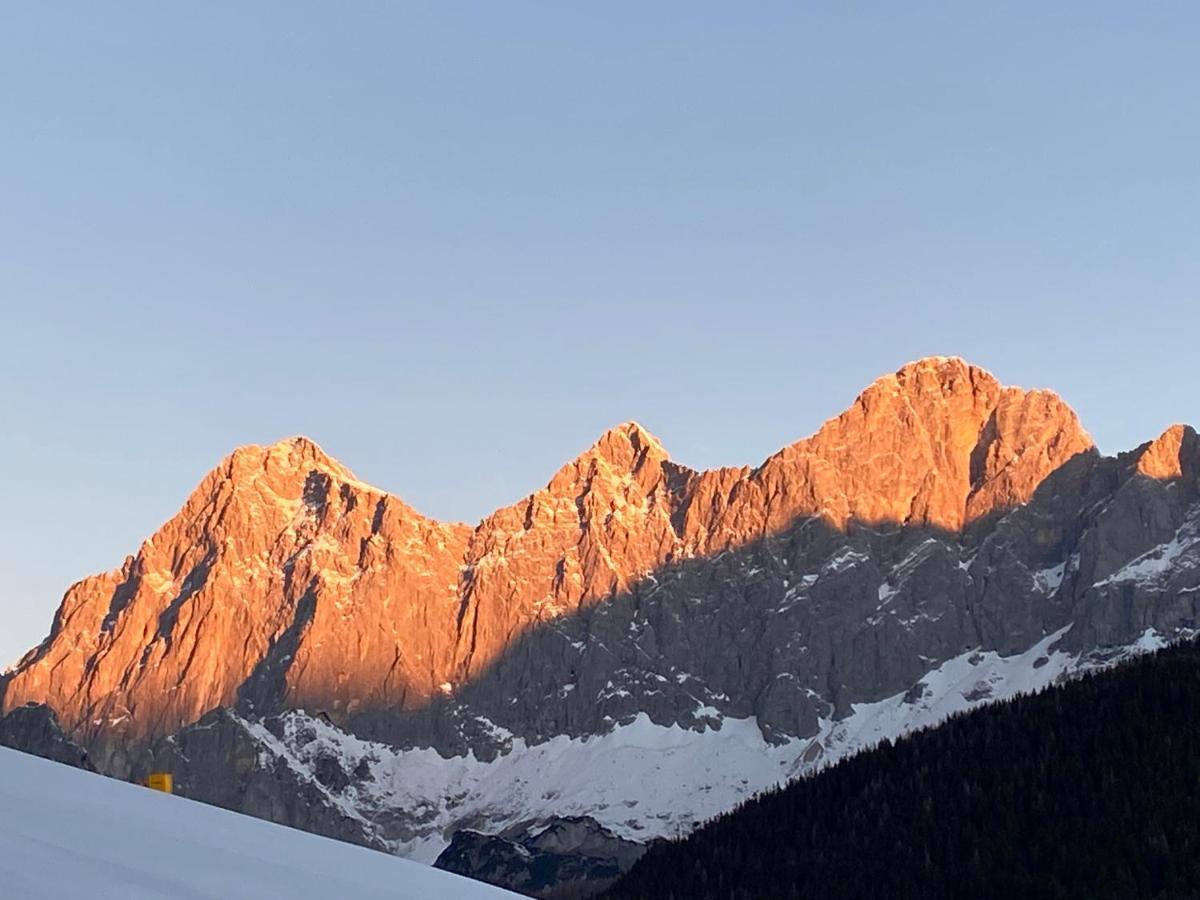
[35, 729]
[942, 512]
[566, 857]
[219, 760]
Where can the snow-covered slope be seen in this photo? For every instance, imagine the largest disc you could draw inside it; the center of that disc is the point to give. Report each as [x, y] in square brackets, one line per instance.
[68, 833]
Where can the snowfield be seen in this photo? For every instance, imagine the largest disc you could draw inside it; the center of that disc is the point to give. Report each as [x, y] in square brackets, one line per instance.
[68, 833]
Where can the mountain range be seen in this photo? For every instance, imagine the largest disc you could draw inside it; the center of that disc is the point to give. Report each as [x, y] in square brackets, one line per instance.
[634, 648]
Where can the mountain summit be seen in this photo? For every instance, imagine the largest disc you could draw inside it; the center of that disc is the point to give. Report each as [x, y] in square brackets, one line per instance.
[939, 443]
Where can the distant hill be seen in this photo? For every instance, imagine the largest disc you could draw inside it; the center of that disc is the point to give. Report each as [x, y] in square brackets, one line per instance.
[1088, 789]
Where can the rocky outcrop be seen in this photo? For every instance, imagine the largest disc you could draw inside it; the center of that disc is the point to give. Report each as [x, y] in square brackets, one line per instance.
[35, 729]
[225, 761]
[574, 857]
[941, 513]
[1175, 454]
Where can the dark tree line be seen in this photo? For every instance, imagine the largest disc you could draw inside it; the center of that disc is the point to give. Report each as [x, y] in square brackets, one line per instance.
[1089, 789]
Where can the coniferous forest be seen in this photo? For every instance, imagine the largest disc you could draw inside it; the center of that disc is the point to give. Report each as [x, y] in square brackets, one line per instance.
[1089, 789]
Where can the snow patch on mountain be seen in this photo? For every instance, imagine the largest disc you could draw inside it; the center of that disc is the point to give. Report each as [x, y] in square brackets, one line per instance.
[1048, 580]
[1163, 559]
[955, 686]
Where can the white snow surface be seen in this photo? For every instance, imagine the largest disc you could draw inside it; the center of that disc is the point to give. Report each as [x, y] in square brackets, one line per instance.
[1048, 580]
[643, 780]
[1159, 562]
[69, 833]
[964, 682]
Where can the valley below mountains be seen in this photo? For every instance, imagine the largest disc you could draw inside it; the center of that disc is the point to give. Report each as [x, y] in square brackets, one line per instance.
[634, 648]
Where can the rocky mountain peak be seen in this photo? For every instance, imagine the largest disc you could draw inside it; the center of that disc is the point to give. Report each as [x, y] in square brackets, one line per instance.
[939, 442]
[637, 437]
[621, 452]
[626, 446]
[1175, 453]
[288, 458]
[936, 386]
[938, 375]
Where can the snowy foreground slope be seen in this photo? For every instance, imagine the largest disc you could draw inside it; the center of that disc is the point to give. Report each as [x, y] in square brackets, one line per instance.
[68, 833]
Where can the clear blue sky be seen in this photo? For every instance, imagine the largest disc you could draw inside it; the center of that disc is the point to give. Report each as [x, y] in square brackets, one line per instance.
[455, 242]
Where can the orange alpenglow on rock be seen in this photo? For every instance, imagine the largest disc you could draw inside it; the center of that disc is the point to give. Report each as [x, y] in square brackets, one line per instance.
[939, 443]
[1166, 457]
[286, 580]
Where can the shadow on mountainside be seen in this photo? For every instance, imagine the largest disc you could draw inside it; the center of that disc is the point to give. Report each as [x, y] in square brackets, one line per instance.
[799, 625]
[789, 628]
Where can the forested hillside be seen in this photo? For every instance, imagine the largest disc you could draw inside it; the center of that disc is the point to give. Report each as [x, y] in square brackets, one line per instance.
[1090, 789]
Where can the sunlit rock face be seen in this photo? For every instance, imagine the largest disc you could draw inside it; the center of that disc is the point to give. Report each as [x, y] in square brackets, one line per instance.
[939, 443]
[1175, 454]
[282, 579]
[941, 514]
